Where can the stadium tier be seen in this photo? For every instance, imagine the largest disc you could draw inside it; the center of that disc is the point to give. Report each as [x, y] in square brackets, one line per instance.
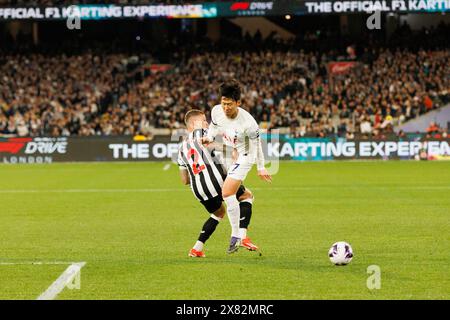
[287, 84]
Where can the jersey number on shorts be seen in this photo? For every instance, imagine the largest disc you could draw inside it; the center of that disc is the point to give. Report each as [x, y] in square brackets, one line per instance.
[196, 168]
[236, 165]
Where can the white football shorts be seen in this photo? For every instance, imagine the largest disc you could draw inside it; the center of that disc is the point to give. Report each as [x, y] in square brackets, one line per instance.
[240, 169]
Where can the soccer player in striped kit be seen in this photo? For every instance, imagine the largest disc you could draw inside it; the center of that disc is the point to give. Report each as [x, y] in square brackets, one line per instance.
[203, 167]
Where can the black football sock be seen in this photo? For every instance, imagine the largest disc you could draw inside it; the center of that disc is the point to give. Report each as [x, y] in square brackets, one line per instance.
[208, 229]
[246, 214]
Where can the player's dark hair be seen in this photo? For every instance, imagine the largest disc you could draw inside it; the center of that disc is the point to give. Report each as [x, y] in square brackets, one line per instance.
[231, 89]
[192, 113]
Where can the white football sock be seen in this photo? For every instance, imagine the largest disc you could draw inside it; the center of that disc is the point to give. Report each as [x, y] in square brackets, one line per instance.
[242, 233]
[234, 213]
[198, 246]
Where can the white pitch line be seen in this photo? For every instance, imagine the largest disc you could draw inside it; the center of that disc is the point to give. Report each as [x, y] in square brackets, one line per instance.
[35, 263]
[64, 279]
[257, 189]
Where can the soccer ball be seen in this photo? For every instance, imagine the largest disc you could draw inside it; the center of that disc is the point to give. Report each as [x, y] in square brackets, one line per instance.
[340, 253]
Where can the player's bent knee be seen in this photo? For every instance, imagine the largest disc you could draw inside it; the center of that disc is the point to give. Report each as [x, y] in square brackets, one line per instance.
[228, 192]
[246, 195]
[230, 187]
[220, 213]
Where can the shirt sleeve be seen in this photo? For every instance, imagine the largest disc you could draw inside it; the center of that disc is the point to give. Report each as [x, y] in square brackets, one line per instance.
[181, 164]
[213, 129]
[256, 145]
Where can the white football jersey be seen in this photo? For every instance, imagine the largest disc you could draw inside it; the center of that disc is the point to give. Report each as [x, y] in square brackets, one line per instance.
[241, 133]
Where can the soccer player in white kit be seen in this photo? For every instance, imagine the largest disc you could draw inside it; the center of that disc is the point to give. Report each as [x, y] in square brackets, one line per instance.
[240, 131]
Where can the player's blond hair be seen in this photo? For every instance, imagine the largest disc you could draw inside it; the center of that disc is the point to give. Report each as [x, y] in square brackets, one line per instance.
[192, 113]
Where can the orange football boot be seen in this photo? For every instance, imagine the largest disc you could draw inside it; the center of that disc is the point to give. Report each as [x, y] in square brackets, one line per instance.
[196, 254]
[247, 244]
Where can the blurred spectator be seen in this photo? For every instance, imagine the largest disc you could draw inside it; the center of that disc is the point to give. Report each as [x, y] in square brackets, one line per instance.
[433, 128]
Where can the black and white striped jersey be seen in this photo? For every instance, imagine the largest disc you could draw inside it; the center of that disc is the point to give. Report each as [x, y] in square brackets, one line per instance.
[205, 167]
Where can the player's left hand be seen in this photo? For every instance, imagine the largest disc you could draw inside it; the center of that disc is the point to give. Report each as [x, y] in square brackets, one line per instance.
[264, 175]
[205, 141]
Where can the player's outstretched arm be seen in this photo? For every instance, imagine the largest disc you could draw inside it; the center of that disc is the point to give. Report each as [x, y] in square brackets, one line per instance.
[262, 172]
[257, 146]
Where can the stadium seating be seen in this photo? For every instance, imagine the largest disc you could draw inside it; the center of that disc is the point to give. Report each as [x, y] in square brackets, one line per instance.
[286, 86]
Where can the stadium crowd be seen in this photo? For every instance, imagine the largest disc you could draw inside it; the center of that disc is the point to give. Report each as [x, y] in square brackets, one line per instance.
[292, 90]
[284, 87]
[58, 95]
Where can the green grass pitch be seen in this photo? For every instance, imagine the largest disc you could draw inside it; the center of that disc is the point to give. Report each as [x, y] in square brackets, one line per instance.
[134, 223]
